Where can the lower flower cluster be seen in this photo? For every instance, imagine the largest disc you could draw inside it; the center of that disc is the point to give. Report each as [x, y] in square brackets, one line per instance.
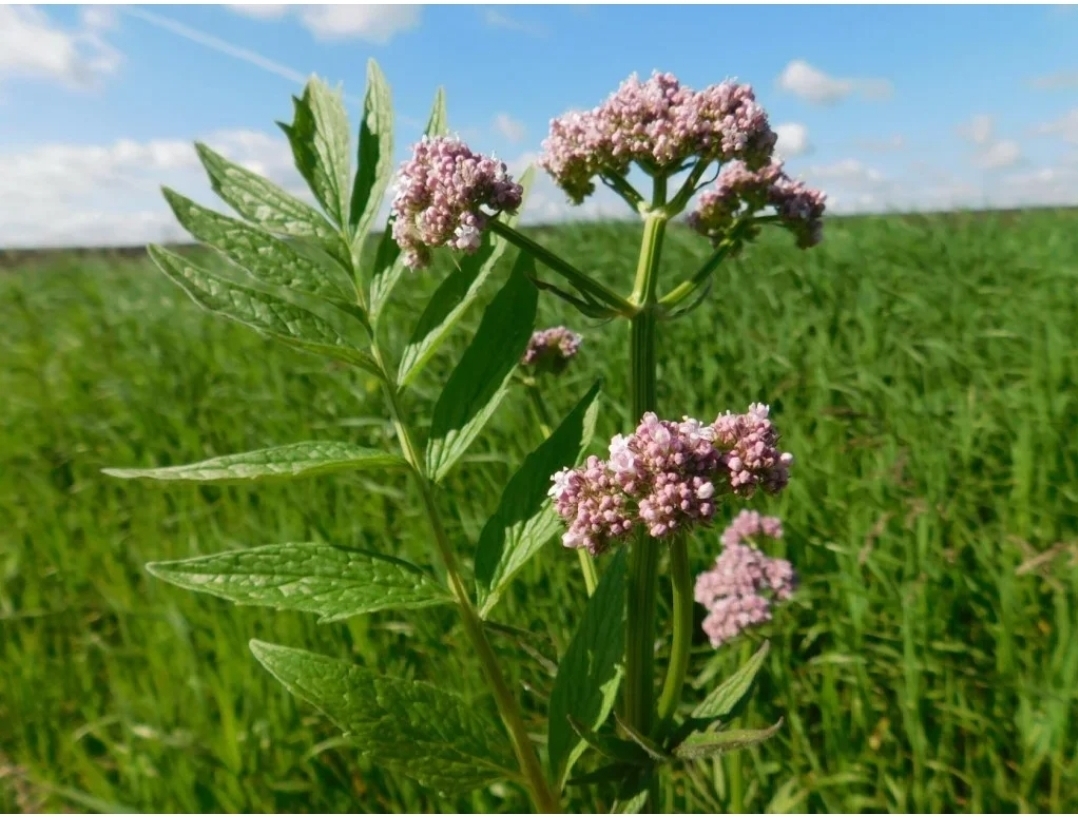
[667, 477]
[739, 590]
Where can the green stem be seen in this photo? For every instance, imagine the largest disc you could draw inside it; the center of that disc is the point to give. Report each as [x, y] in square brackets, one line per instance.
[581, 281]
[737, 795]
[587, 564]
[679, 651]
[644, 557]
[541, 794]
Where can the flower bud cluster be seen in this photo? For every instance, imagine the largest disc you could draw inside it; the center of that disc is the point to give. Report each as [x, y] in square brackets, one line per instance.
[440, 194]
[739, 191]
[659, 124]
[739, 590]
[667, 477]
[551, 350]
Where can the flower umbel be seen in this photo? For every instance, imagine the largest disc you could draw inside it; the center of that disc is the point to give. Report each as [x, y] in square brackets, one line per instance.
[440, 194]
[740, 588]
[667, 476]
[551, 350]
[740, 191]
[659, 124]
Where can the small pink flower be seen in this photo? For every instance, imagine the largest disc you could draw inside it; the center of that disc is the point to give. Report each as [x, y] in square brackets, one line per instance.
[440, 194]
[551, 350]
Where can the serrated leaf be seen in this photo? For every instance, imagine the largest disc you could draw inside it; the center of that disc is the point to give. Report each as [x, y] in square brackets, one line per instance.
[331, 581]
[727, 696]
[305, 459]
[375, 155]
[524, 519]
[409, 727]
[438, 122]
[646, 745]
[266, 204]
[454, 295]
[388, 267]
[590, 672]
[261, 311]
[264, 256]
[480, 380]
[702, 745]
[608, 745]
[320, 137]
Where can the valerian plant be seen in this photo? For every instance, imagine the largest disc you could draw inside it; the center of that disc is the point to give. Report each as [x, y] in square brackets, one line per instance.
[295, 273]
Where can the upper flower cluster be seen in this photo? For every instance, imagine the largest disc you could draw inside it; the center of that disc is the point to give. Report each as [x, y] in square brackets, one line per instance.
[439, 196]
[739, 190]
[550, 350]
[658, 124]
[738, 590]
[667, 476]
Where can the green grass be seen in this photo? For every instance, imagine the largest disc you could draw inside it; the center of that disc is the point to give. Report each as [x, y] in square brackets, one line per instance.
[924, 371]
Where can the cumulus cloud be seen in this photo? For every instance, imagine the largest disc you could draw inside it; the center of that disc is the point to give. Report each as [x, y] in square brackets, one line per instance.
[793, 140]
[1060, 81]
[990, 153]
[511, 129]
[101, 195]
[895, 142]
[978, 130]
[374, 22]
[1066, 127]
[32, 46]
[498, 19]
[819, 88]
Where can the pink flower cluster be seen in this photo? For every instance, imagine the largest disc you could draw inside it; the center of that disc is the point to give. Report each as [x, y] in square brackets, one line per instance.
[667, 476]
[739, 589]
[550, 350]
[740, 190]
[439, 196]
[659, 124]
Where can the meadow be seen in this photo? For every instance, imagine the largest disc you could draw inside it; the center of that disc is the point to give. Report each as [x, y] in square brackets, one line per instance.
[923, 370]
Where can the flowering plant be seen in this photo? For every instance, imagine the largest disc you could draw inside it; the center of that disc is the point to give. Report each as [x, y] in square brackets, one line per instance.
[296, 273]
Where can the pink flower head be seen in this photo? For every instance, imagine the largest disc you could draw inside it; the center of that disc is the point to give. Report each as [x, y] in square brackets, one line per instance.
[550, 350]
[659, 124]
[440, 194]
[668, 476]
[740, 588]
[751, 455]
[739, 191]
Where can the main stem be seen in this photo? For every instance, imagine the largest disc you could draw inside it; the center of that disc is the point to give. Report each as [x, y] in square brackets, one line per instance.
[543, 797]
[681, 579]
[644, 557]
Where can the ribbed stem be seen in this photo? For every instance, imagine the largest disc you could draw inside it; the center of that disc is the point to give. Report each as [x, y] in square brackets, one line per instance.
[682, 601]
[544, 799]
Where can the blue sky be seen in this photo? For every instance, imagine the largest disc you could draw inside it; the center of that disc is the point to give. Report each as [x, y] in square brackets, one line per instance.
[914, 107]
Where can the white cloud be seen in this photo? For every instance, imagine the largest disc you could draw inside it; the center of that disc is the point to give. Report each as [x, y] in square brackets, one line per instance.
[498, 19]
[1001, 154]
[99, 195]
[511, 129]
[1060, 81]
[32, 46]
[895, 142]
[978, 130]
[793, 140]
[814, 86]
[374, 22]
[1066, 127]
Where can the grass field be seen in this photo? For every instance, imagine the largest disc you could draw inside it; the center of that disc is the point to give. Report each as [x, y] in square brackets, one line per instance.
[923, 370]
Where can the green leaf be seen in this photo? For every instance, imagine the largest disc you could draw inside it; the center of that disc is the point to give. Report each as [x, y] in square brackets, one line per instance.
[409, 727]
[331, 581]
[726, 698]
[524, 519]
[268, 314]
[702, 745]
[438, 123]
[480, 380]
[305, 459]
[267, 205]
[388, 267]
[264, 256]
[650, 748]
[375, 155]
[590, 671]
[320, 137]
[608, 745]
[455, 295]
